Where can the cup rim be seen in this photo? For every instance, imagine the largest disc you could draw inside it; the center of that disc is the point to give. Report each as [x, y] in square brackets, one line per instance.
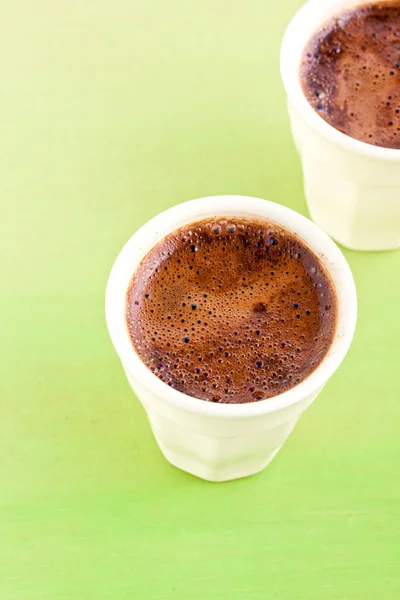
[290, 57]
[217, 206]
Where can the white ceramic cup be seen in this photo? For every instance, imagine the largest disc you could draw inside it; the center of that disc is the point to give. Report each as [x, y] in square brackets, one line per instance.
[218, 442]
[352, 188]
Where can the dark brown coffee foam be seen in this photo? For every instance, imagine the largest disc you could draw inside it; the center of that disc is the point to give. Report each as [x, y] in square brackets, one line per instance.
[350, 73]
[231, 311]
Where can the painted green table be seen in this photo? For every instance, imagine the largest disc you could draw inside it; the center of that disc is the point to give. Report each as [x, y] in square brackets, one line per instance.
[112, 112]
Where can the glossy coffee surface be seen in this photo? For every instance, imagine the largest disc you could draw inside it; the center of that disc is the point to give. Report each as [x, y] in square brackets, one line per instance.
[350, 73]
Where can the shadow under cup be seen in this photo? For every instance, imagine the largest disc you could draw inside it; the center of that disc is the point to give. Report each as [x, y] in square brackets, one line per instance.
[352, 188]
[213, 441]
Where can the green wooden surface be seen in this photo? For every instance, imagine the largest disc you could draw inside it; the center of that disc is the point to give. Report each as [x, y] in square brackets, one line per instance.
[110, 113]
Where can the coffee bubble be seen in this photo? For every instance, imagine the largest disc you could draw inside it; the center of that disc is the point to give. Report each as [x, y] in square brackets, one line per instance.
[241, 316]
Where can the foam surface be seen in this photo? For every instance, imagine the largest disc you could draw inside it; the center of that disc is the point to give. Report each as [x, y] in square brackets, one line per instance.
[231, 310]
[350, 73]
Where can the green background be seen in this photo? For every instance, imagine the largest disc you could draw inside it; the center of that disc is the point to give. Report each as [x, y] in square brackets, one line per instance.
[112, 111]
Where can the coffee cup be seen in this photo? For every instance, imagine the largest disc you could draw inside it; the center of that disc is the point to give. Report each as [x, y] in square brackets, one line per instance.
[352, 188]
[219, 442]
